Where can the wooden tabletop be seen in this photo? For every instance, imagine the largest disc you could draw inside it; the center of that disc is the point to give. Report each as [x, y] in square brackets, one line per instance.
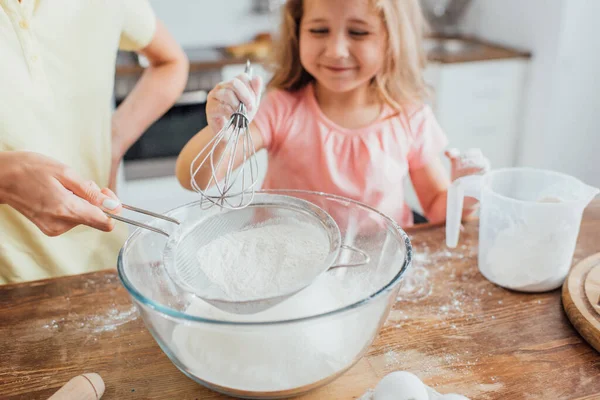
[458, 332]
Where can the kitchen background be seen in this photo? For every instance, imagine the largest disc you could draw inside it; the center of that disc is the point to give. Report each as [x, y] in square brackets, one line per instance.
[524, 87]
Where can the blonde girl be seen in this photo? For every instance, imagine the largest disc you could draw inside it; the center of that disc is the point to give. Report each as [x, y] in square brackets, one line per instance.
[345, 110]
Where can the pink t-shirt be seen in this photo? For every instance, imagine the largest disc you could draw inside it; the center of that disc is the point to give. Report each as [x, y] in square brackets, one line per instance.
[308, 151]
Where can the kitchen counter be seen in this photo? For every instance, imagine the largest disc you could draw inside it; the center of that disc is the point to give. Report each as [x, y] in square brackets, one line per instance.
[462, 334]
[439, 49]
[451, 50]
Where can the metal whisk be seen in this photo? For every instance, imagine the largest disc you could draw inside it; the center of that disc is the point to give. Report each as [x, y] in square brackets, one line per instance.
[238, 146]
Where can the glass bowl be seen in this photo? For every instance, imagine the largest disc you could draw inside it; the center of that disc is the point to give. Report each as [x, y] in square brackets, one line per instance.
[300, 344]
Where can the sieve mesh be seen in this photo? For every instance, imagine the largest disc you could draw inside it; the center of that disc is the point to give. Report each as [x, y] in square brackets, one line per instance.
[184, 267]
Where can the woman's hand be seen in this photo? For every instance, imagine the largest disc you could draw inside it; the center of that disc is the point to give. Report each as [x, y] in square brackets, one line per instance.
[53, 196]
[225, 99]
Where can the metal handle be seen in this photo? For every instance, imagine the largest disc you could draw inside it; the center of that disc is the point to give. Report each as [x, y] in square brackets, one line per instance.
[142, 225]
[364, 255]
[241, 110]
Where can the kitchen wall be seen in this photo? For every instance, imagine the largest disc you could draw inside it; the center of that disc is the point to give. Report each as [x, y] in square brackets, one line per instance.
[560, 118]
[200, 23]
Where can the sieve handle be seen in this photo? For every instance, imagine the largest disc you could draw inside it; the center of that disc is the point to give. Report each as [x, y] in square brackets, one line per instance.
[140, 224]
[365, 257]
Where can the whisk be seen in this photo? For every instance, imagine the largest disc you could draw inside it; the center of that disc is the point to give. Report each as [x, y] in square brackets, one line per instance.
[236, 141]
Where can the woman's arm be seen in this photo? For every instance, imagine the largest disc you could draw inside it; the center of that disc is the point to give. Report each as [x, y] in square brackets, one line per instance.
[157, 90]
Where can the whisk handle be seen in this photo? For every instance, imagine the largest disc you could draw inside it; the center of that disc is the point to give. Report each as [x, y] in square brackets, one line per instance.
[241, 110]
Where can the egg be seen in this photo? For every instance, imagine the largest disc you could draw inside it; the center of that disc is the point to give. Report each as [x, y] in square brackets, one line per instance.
[400, 385]
[452, 396]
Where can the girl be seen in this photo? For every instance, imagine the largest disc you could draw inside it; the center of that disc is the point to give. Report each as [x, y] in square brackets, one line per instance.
[345, 112]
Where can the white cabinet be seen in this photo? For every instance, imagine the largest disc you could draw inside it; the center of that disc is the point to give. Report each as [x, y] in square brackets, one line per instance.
[156, 194]
[432, 77]
[478, 104]
[165, 193]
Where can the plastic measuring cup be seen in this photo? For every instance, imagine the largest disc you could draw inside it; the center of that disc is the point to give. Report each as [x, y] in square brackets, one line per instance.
[528, 227]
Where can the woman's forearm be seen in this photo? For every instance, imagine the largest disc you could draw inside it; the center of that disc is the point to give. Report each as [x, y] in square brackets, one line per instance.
[157, 90]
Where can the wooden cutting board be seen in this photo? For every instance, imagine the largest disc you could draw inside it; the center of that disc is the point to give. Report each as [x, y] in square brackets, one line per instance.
[581, 299]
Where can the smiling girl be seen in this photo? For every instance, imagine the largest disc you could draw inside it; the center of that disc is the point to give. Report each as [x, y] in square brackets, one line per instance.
[345, 111]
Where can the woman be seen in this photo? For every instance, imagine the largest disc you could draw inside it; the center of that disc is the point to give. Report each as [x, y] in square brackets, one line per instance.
[59, 139]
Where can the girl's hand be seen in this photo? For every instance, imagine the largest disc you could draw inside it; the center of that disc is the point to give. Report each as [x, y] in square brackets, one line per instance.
[471, 162]
[225, 99]
[53, 196]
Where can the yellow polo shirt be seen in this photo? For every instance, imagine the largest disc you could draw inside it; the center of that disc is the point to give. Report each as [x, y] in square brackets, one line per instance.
[57, 66]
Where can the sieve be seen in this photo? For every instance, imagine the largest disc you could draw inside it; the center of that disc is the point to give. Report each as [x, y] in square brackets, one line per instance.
[206, 225]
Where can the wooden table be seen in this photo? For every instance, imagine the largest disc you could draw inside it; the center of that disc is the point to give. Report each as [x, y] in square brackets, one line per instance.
[467, 336]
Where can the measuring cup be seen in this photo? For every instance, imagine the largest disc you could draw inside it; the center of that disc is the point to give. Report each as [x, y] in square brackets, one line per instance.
[528, 227]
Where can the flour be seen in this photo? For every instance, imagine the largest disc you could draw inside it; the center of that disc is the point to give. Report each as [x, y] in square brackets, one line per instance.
[532, 253]
[523, 258]
[265, 261]
[282, 356]
[415, 285]
[105, 321]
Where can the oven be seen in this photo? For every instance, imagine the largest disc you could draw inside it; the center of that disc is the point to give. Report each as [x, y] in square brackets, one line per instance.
[154, 154]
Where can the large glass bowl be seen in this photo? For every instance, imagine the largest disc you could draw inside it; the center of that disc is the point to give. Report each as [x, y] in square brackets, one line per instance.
[300, 344]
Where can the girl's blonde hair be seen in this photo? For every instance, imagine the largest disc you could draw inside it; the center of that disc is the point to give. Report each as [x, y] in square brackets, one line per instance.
[400, 82]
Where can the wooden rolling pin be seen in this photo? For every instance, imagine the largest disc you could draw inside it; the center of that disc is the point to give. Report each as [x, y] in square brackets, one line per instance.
[82, 387]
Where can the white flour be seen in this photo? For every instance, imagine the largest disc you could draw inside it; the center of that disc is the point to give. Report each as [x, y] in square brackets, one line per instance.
[284, 356]
[264, 261]
[529, 259]
[532, 254]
